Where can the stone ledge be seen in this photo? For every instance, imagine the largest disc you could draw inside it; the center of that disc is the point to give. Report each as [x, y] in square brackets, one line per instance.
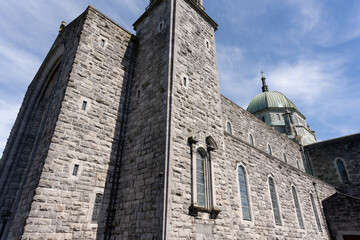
[194, 211]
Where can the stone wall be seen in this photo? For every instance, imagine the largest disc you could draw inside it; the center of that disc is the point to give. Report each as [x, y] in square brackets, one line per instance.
[96, 68]
[35, 123]
[196, 112]
[244, 123]
[199, 111]
[259, 166]
[343, 216]
[323, 157]
[131, 113]
[139, 209]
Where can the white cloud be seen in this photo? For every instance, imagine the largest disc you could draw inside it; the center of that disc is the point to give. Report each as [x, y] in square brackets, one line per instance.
[16, 63]
[307, 80]
[309, 14]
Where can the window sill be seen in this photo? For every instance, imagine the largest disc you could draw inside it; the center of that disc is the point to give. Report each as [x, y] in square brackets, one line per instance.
[194, 211]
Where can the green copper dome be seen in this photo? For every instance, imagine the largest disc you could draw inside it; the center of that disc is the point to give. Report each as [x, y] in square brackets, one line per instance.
[269, 100]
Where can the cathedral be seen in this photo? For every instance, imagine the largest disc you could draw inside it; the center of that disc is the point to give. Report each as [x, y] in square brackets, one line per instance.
[124, 136]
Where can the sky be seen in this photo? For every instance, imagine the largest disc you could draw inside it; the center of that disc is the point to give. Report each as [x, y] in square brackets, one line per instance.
[308, 49]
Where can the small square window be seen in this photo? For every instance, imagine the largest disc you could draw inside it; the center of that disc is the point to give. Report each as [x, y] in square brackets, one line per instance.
[83, 106]
[75, 170]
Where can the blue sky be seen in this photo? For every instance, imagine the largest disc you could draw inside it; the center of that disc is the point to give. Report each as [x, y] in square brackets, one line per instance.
[308, 49]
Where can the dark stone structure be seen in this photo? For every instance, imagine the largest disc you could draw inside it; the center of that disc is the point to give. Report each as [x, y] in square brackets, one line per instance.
[343, 216]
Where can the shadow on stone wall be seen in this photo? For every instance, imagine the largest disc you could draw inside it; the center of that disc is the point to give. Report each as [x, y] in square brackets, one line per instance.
[108, 208]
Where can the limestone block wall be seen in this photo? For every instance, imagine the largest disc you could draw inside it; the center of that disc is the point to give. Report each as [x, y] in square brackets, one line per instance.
[35, 122]
[244, 123]
[139, 209]
[82, 129]
[259, 166]
[323, 156]
[195, 112]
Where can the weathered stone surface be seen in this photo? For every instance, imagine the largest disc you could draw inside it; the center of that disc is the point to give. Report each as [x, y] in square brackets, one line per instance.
[343, 216]
[120, 130]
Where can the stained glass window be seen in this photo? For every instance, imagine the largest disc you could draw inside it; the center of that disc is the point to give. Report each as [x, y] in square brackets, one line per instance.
[274, 202]
[297, 208]
[315, 212]
[200, 179]
[342, 170]
[244, 194]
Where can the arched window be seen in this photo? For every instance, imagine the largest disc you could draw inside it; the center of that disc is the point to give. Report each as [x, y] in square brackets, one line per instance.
[274, 201]
[251, 140]
[317, 219]
[245, 206]
[228, 127]
[269, 149]
[97, 206]
[284, 157]
[297, 208]
[203, 180]
[342, 171]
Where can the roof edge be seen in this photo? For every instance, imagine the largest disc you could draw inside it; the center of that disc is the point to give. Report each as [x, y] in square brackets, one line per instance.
[118, 25]
[341, 194]
[198, 8]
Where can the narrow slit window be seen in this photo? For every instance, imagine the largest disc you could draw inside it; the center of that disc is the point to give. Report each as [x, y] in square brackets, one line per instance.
[263, 119]
[97, 206]
[75, 170]
[298, 164]
[161, 26]
[244, 196]
[297, 208]
[285, 158]
[207, 45]
[317, 219]
[138, 93]
[251, 140]
[102, 42]
[228, 127]
[84, 105]
[185, 81]
[274, 202]
[269, 149]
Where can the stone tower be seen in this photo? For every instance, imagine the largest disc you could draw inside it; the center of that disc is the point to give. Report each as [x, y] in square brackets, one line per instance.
[100, 140]
[175, 98]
